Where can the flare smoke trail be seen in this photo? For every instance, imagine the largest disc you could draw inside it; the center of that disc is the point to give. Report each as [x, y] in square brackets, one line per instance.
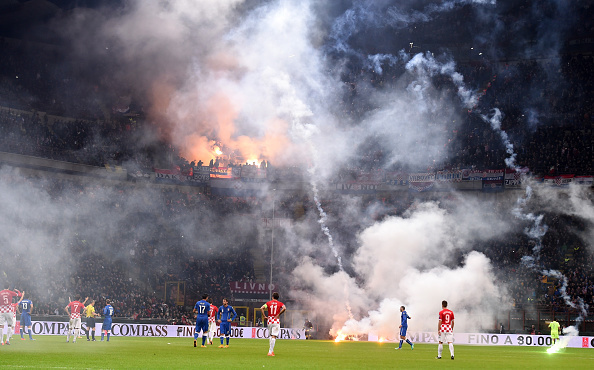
[536, 231]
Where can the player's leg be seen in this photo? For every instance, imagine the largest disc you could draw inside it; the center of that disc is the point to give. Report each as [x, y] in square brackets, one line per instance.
[196, 332]
[103, 329]
[28, 325]
[76, 329]
[68, 331]
[451, 344]
[204, 332]
[223, 329]
[439, 349]
[108, 329]
[23, 326]
[412, 346]
[274, 332]
[87, 330]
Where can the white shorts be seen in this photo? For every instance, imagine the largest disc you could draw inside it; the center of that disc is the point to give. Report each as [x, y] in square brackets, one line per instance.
[212, 328]
[75, 323]
[6, 318]
[446, 337]
[274, 329]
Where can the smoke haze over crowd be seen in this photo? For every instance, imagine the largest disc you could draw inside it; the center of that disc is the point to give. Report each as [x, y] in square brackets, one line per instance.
[313, 85]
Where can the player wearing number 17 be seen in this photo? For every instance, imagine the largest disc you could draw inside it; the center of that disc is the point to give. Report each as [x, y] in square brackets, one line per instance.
[275, 309]
[201, 309]
[445, 329]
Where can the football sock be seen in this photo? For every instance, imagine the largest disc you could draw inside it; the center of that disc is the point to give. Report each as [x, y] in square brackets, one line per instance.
[76, 333]
[102, 333]
[30, 334]
[195, 335]
[203, 339]
[409, 342]
[400, 345]
[93, 334]
[439, 349]
[108, 334]
[21, 333]
[452, 349]
[222, 341]
[272, 342]
[227, 339]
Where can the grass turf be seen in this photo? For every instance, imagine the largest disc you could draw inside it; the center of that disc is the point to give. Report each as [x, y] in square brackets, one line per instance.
[171, 353]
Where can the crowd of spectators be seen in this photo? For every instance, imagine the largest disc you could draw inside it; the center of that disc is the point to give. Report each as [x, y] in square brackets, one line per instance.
[47, 112]
[154, 274]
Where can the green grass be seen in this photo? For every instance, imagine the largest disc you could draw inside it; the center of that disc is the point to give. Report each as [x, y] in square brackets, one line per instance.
[174, 353]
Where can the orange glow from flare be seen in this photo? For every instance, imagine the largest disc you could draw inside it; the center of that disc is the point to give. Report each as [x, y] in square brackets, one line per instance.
[381, 340]
[339, 337]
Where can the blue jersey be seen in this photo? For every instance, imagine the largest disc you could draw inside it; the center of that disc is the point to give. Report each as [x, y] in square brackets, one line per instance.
[403, 318]
[202, 309]
[25, 306]
[224, 313]
[108, 311]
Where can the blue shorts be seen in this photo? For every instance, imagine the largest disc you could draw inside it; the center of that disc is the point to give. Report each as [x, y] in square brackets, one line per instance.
[106, 324]
[403, 330]
[225, 328]
[202, 324]
[25, 319]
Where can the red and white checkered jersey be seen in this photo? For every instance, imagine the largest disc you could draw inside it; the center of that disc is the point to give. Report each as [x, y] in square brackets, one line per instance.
[14, 307]
[446, 317]
[6, 300]
[75, 308]
[212, 314]
[274, 308]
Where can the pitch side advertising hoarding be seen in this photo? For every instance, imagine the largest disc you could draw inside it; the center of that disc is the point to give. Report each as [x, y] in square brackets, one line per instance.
[152, 330]
[483, 339]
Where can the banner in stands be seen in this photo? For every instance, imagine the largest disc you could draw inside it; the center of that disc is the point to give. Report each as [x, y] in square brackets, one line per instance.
[355, 187]
[253, 173]
[447, 179]
[163, 331]
[196, 176]
[250, 287]
[236, 187]
[561, 180]
[472, 175]
[221, 172]
[483, 339]
[493, 180]
[583, 180]
[421, 181]
[513, 178]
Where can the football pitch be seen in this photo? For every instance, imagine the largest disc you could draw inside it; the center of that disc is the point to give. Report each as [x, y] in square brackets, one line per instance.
[52, 352]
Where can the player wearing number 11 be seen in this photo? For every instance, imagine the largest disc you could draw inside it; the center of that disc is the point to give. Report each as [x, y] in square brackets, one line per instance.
[275, 309]
[201, 309]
